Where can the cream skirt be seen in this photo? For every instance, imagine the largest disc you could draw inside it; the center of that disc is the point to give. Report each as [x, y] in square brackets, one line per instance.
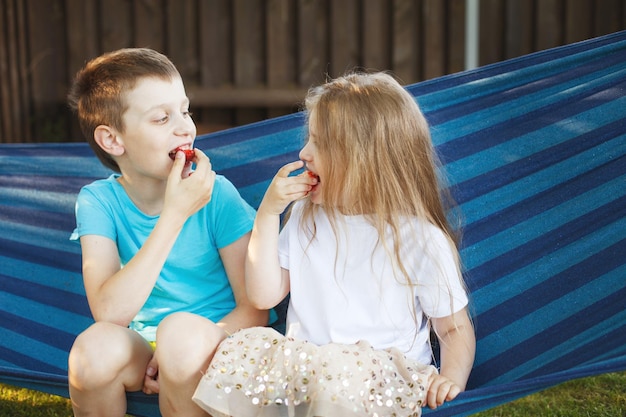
[260, 372]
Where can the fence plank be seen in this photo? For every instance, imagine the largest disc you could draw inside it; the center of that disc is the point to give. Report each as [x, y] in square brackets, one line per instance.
[313, 41]
[181, 38]
[13, 72]
[406, 40]
[149, 23]
[550, 17]
[578, 25]
[280, 44]
[455, 48]
[116, 17]
[216, 31]
[344, 32]
[82, 40]
[23, 98]
[281, 51]
[6, 118]
[246, 97]
[492, 28]
[245, 60]
[608, 16]
[519, 36]
[47, 63]
[434, 22]
[215, 60]
[376, 35]
[248, 52]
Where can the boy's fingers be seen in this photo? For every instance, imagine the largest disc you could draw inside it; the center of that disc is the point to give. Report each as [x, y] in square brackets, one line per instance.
[203, 162]
[179, 164]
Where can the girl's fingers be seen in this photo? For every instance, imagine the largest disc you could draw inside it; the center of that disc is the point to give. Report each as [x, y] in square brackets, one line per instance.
[287, 169]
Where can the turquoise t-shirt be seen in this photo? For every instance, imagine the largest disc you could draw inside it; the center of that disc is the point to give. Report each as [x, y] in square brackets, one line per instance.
[193, 278]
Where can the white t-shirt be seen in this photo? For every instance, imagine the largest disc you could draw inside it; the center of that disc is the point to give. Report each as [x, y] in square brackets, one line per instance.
[347, 292]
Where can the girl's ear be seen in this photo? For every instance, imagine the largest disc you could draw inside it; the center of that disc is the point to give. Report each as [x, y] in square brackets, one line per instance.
[108, 140]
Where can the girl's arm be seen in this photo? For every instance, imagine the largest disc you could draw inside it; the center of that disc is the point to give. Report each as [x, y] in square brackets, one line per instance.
[266, 282]
[244, 314]
[457, 347]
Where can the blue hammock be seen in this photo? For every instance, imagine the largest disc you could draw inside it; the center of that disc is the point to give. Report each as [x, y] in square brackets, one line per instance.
[535, 149]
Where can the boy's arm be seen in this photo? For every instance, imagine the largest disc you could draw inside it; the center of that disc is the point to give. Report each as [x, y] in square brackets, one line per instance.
[244, 314]
[457, 344]
[117, 294]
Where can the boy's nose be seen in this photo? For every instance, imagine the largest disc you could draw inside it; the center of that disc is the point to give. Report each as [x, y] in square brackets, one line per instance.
[185, 126]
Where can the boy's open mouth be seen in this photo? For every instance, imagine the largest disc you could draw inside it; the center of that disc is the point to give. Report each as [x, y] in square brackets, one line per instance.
[189, 154]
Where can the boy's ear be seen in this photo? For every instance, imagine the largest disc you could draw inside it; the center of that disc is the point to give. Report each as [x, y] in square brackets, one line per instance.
[107, 138]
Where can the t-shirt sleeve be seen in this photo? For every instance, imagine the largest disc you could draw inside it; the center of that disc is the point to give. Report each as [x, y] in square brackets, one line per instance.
[440, 287]
[233, 216]
[92, 216]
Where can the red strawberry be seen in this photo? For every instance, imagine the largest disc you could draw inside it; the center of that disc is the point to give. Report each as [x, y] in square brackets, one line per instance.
[312, 175]
[189, 154]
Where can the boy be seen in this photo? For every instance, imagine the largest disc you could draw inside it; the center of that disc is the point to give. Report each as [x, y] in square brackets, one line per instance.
[163, 250]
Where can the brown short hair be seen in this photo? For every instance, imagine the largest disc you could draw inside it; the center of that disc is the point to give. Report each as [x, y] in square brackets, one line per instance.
[98, 94]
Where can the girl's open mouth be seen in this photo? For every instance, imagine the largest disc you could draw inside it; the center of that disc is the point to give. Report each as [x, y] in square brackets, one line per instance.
[313, 175]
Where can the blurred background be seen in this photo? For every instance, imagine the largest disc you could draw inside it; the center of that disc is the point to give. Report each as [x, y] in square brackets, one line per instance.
[247, 60]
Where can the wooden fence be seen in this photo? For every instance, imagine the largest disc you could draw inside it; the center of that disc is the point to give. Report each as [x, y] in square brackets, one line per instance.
[247, 60]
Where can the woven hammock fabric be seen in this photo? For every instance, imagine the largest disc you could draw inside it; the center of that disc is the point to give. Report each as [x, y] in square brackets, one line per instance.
[534, 150]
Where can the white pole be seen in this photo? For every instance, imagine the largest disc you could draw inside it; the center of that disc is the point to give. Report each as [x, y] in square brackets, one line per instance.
[471, 33]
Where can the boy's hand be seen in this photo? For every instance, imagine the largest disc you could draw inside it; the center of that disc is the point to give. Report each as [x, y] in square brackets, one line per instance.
[151, 379]
[284, 189]
[441, 390]
[186, 193]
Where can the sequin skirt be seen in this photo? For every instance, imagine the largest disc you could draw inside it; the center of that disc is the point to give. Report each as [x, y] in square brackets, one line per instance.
[259, 372]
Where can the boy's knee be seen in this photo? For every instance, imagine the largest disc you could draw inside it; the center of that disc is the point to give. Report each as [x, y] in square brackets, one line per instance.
[186, 341]
[95, 356]
[180, 329]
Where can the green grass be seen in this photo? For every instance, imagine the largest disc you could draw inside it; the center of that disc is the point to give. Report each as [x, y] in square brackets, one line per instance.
[599, 396]
[20, 402]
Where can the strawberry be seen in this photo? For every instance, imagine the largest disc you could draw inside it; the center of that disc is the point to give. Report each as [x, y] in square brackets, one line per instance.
[312, 175]
[189, 154]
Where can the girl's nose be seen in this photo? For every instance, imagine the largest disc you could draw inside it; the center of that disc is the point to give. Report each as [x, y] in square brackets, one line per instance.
[304, 153]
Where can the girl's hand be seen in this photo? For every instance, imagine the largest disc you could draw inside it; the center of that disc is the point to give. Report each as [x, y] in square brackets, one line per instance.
[185, 193]
[285, 189]
[441, 390]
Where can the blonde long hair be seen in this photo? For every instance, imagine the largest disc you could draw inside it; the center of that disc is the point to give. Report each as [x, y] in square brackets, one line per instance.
[376, 146]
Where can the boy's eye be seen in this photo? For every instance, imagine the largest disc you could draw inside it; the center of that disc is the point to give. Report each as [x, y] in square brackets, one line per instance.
[187, 113]
[162, 119]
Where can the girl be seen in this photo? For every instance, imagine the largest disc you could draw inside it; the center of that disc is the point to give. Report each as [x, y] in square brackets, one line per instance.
[370, 263]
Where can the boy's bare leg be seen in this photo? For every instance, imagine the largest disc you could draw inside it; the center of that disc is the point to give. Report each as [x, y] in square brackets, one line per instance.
[185, 346]
[105, 361]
